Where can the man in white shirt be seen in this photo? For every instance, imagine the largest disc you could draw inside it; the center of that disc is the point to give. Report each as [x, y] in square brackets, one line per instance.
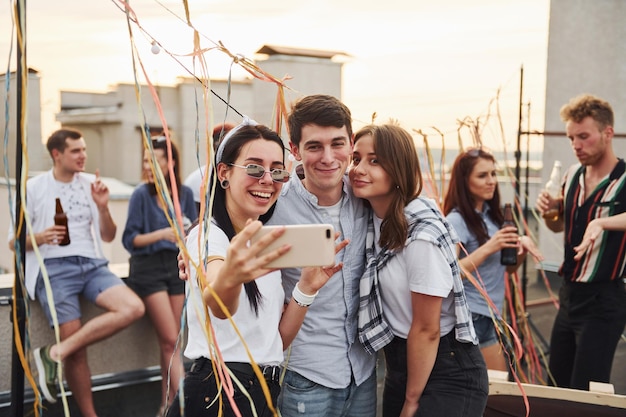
[73, 270]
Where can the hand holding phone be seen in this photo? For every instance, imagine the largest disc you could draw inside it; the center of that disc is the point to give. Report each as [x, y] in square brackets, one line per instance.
[311, 245]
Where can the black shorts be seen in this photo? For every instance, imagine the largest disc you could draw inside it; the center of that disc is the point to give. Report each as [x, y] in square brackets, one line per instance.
[149, 274]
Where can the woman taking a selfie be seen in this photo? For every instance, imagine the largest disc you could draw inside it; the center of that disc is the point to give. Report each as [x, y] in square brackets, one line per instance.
[250, 172]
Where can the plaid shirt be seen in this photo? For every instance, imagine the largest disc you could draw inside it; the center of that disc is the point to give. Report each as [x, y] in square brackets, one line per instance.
[425, 222]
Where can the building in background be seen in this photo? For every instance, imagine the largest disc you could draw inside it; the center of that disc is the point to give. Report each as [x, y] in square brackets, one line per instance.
[112, 122]
[37, 154]
[586, 54]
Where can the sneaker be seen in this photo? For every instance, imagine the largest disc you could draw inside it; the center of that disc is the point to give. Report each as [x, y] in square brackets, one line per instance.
[48, 378]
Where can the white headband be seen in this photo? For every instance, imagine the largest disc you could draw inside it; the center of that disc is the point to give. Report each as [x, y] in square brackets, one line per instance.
[220, 150]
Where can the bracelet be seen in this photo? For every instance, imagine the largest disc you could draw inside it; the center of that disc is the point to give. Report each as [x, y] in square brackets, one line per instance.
[302, 299]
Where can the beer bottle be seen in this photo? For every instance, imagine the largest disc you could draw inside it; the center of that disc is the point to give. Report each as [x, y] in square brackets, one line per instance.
[60, 219]
[508, 256]
[553, 187]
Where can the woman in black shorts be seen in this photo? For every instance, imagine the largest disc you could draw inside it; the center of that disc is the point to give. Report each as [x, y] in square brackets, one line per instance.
[152, 244]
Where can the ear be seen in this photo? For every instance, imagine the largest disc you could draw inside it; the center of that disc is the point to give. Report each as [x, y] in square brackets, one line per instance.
[609, 132]
[294, 151]
[222, 171]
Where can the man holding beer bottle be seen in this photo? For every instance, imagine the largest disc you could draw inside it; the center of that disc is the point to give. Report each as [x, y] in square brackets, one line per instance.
[592, 311]
[74, 268]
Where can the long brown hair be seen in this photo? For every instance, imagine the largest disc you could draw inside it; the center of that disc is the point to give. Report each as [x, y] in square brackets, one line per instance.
[231, 149]
[396, 154]
[459, 196]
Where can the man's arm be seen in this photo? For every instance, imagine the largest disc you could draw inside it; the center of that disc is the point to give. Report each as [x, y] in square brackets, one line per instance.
[50, 236]
[596, 227]
[100, 195]
[108, 228]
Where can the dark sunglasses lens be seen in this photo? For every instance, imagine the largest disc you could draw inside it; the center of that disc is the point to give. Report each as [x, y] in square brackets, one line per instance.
[256, 171]
[280, 175]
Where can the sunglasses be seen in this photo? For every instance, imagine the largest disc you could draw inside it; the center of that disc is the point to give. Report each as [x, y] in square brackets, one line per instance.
[257, 171]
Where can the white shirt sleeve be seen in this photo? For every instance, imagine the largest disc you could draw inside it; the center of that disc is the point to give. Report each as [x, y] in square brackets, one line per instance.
[427, 269]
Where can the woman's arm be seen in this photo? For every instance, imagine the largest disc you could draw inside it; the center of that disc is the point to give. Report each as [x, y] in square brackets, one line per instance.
[135, 234]
[526, 245]
[503, 238]
[225, 277]
[422, 346]
[145, 239]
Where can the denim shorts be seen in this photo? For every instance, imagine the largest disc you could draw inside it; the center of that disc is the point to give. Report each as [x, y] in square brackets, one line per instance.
[70, 277]
[156, 272]
[485, 330]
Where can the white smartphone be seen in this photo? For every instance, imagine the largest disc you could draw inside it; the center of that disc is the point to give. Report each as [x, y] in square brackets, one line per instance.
[311, 245]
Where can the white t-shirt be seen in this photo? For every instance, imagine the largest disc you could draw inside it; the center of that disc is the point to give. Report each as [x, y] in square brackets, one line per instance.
[76, 204]
[260, 333]
[194, 180]
[421, 268]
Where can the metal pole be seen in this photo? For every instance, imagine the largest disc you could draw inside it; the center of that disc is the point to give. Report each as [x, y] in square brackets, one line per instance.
[518, 152]
[17, 371]
[525, 208]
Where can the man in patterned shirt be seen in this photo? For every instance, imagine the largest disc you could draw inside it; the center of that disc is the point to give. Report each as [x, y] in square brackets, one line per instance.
[75, 269]
[592, 312]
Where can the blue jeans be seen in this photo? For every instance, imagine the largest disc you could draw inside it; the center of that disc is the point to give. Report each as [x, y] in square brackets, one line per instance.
[458, 385]
[302, 397]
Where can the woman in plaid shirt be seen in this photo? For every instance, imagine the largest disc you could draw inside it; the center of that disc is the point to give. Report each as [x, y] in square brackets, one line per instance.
[412, 298]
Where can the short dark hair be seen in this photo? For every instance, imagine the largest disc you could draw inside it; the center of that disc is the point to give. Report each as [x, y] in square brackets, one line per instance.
[57, 139]
[318, 109]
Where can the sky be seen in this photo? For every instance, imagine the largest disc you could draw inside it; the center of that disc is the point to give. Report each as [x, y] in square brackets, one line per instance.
[423, 63]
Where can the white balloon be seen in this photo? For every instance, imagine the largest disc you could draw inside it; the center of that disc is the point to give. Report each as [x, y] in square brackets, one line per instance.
[155, 48]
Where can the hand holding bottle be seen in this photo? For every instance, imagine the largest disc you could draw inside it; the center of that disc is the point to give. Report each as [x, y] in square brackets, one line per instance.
[60, 220]
[53, 235]
[508, 255]
[553, 190]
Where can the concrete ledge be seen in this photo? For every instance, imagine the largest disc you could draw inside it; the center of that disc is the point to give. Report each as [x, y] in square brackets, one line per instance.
[99, 383]
[134, 348]
[139, 396]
